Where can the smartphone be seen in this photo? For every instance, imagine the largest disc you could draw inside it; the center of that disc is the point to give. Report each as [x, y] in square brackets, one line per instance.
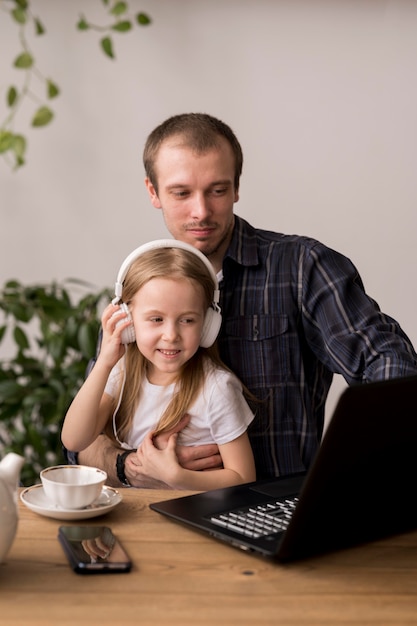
[93, 550]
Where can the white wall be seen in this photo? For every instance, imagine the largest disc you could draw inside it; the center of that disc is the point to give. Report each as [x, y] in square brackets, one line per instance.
[322, 95]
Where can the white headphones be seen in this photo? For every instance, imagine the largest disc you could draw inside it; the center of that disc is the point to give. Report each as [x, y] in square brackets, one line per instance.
[213, 318]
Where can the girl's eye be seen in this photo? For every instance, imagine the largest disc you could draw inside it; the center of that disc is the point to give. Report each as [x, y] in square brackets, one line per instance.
[187, 320]
[156, 319]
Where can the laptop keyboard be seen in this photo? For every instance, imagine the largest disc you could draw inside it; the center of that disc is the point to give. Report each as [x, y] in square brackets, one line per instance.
[260, 520]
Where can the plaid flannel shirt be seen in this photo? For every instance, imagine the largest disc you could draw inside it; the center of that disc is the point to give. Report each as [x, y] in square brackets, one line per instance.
[294, 313]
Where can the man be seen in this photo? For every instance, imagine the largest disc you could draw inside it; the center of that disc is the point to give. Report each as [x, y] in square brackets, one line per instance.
[294, 311]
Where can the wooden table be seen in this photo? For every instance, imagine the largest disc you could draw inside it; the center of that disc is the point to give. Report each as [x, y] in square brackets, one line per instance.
[180, 577]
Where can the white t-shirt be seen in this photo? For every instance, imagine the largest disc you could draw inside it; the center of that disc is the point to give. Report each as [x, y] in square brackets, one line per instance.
[220, 413]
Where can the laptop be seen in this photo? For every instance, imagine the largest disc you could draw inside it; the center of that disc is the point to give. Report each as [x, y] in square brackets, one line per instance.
[360, 487]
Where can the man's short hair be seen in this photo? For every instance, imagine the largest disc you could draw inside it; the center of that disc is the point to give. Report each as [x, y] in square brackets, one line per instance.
[200, 132]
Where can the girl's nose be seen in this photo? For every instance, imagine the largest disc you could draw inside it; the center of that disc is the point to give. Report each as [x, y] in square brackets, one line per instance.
[170, 332]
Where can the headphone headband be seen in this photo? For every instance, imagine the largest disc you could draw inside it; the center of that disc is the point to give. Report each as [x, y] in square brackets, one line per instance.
[154, 245]
[213, 318]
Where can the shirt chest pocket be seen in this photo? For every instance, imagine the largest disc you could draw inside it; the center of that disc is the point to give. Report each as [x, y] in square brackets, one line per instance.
[259, 348]
[257, 327]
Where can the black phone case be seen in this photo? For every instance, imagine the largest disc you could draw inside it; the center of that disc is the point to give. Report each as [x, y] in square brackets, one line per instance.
[80, 561]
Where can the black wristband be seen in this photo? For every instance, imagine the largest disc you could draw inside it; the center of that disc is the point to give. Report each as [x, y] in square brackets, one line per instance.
[120, 467]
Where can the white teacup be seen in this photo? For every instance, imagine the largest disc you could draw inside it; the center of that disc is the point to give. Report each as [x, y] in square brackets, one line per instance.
[72, 486]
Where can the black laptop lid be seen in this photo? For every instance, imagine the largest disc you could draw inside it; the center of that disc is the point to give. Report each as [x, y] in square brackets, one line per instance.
[361, 486]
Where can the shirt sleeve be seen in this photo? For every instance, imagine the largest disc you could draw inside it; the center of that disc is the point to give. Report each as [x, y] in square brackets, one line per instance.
[344, 327]
[228, 412]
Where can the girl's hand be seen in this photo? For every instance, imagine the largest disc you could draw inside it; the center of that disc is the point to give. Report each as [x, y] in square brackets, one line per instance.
[159, 464]
[112, 348]
[197, 458]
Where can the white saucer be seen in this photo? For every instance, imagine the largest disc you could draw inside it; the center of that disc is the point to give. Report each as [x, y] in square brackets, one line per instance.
[35, 499]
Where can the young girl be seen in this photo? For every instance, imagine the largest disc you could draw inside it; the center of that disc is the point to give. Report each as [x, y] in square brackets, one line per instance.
[168, 370]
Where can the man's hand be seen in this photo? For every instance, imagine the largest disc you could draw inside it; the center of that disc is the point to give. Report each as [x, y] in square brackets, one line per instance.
[199, 458]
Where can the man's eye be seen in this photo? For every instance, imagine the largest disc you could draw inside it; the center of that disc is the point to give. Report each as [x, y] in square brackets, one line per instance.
[219, 191]
[180, 194]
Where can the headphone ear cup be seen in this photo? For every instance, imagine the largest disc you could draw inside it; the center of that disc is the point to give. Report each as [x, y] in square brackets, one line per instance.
[211, 328]
[128, 334]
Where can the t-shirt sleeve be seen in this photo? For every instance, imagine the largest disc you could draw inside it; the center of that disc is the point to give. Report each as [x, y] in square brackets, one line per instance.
[229, 413]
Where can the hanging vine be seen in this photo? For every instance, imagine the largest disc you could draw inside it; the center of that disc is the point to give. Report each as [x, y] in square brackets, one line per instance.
[39, 89]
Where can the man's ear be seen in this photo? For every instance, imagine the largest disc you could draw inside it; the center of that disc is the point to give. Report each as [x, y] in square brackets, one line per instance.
[152, 194]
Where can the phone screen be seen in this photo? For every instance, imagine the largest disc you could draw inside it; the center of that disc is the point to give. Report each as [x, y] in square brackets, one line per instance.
[93, 550]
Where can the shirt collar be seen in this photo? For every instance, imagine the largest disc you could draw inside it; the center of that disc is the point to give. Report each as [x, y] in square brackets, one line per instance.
[243, 245]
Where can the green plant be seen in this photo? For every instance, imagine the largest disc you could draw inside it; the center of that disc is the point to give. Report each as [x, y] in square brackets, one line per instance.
[53, 335]
[122, 22]
[37, 87]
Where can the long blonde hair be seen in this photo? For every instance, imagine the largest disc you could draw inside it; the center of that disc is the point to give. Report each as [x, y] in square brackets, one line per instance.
[172, 263]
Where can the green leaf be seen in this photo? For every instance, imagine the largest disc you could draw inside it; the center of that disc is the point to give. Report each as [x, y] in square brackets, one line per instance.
[57, 386]
[34, 437]
[19, 14]
[7, 412]
[6, 140]
[56, 347]
[143, 19]
[83, 24]
[122, 27]
[20, 338]
[10, 391]
[2, 332]
[53, 89]
[39, 28]
[119, 8]
[11, 96]
[19, 147]
[107, 46]
[52, 307]
[21, 312]
[24, 61]
[87, 340]
[12, 284]
[42, 117]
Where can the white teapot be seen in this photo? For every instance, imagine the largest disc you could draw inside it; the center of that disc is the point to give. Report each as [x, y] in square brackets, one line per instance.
[10, 468]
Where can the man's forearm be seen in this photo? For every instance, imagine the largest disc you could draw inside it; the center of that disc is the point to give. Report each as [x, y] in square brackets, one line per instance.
[102, 453]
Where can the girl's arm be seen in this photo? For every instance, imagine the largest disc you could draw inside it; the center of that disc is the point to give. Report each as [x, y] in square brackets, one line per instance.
[237, 457]
[91, 407]
[89, 411]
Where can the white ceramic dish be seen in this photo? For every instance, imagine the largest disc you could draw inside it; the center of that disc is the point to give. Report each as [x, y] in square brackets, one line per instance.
[35, 499]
